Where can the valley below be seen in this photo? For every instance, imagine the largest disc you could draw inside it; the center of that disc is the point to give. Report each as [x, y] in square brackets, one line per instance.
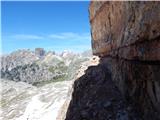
[21, 101]
[35, 85]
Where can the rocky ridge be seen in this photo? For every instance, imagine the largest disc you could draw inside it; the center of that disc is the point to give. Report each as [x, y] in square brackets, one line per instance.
[93, 61]
[40, 67]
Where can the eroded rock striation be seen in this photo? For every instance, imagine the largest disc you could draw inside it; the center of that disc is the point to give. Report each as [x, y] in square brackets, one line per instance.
[126, 83]
[128, 30]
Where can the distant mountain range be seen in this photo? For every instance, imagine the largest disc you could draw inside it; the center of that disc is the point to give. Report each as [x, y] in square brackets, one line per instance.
[40, 67]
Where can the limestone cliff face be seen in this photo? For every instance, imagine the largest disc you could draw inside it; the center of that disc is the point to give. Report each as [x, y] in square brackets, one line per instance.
[126, 83]
[129, 32]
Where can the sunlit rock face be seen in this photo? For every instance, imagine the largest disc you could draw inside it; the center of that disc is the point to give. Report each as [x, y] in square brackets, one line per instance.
[17, 58]
[126, 37]
[30, 66]
[122, 28]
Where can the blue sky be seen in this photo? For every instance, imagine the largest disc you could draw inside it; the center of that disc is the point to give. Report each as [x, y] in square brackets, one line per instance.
[52, 25]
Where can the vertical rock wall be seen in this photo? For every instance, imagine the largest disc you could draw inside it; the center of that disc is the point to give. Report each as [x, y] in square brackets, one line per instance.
[129, 30]
[126, 83]
[126, 35]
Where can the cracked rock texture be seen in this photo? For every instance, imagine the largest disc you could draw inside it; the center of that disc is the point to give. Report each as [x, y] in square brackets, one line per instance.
[126, 83]
[129, 30]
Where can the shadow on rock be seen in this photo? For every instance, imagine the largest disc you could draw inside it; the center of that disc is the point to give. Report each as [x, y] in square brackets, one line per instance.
[96, 97]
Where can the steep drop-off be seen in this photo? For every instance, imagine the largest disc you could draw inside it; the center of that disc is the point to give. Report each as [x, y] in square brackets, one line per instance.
[126, 83]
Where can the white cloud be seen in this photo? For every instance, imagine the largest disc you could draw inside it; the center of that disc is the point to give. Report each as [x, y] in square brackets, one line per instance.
[27, 37]
[70, 36]
[58, 36]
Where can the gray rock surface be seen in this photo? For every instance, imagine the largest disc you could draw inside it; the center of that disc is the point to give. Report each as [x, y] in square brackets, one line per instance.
[49, 78]
[37, 68]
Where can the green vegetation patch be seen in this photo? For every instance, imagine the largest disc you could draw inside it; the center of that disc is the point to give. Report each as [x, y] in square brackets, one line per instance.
[55, 79]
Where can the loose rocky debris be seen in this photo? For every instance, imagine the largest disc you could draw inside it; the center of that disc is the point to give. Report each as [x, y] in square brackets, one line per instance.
[96, 97]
